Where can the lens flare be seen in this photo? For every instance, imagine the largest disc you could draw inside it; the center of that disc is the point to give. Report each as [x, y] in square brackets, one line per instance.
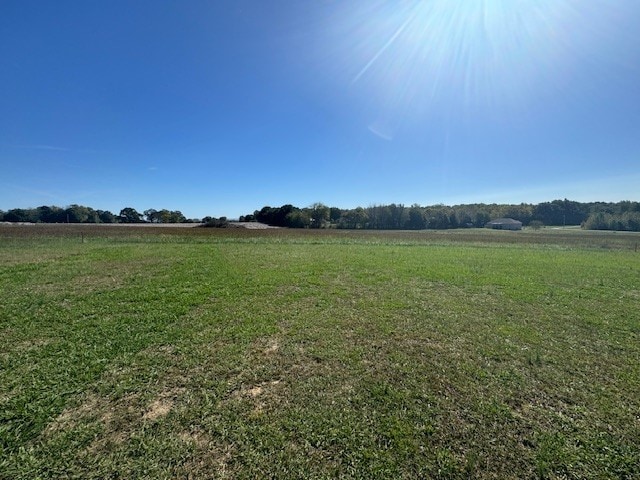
[469, 54]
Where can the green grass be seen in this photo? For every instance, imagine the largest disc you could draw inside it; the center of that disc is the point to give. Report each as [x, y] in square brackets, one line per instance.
[318, 355]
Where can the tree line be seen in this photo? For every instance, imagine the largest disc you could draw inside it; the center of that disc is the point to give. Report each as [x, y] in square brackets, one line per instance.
[81, 214]
[591, 215]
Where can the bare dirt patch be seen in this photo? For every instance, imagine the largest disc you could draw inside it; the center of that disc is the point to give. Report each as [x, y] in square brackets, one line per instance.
[159, 408]
[255, 390]
[162, 405]
[273, 347]
[260, 396]
[73, 416]
[197, 438]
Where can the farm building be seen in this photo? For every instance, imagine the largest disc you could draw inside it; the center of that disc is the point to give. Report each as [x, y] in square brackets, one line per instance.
[504, 224]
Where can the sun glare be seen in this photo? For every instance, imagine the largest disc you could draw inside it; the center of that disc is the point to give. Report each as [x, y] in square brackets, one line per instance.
[472, 53]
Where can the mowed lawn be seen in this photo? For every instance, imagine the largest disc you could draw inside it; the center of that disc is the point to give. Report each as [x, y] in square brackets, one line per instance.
[289, 355]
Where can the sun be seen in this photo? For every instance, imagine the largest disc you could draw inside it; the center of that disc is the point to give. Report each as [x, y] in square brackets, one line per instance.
[465, 52]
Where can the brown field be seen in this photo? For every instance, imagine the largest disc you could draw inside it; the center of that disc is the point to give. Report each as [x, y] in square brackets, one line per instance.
[561, 237]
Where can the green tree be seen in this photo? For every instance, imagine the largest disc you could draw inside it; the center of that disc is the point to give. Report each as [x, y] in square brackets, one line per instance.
[398, 216]
[335, 214]
[164, 216]
[105, 216]
[319, 214]
[176, 216]
[379, 217]
[51, 214]
[597, 221]
[212, 222]
[130, 215]
[416, 217]
[21, 215]
[356, 218]
[298, 219]
[151, 215]
[77, 214]
[437, 217]
[266, 215]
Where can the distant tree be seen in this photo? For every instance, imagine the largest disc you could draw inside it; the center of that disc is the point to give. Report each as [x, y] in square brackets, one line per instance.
[574, 213]
[437, 217]
[105, 216]
[632, 219]
[161, 216]
[319, 214]
[627, 221]
[298, 219]
[397, 216]
[481, 218]
[384, 216]
[281, 215]
[453, 219]
[522, 212]
[353, 219]
[78, 214]
[335, 214]
[51, 214]
[151, 215]
[379, 217]
[178, 217]
[372, 217]
[212, 222]
[416, 218]
[628, 206]
[20, 215]
[130, 215]
[561, 212]
[264, 215]
[598, 221]
[464, 216]
[360, 217]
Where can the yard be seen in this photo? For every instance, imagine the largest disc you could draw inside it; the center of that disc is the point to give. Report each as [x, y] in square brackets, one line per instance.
[200, 353]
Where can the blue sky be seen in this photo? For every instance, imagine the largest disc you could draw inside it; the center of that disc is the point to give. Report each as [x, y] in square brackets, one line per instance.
[221, 107]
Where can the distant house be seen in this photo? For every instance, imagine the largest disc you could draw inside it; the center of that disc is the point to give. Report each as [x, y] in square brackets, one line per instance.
[504, 224]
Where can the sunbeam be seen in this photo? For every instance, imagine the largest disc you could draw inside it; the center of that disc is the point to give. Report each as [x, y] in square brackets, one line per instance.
[469, 54]
[382, 50]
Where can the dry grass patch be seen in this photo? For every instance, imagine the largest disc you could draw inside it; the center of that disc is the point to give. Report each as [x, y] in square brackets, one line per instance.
[272, 347]
[163, 404]
[262, 396]
[90, 408]
[196, 437]
[208, 463]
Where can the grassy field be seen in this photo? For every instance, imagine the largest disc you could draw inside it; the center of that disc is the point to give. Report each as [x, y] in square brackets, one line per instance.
[142, 353]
